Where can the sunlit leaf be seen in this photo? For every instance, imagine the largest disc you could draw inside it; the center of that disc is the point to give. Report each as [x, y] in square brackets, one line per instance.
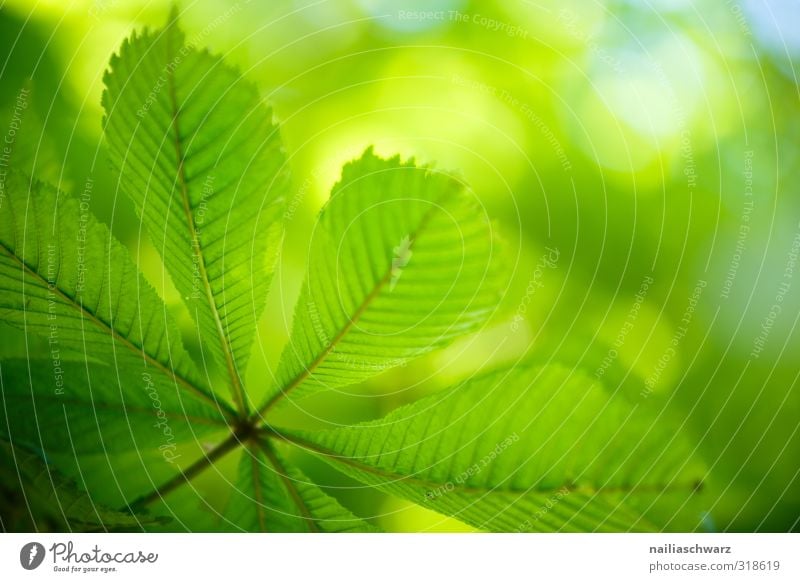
[66, 278]
[201, 159]
[403, 261]
[521, 449]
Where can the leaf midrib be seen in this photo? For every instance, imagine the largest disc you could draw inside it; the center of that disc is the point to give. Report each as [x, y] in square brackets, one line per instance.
[107, 328]
[371, 296]
[235, 384]
[280, 469]
[432, 485]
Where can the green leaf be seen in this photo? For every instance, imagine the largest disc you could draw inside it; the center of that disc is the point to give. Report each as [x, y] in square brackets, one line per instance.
[51, 502]
[63, 276]
[402, 262]
[201, 159]
[272, 495]
[84, 407]
[522, 449]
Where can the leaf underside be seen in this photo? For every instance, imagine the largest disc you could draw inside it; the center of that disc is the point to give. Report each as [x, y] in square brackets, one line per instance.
[200, 157]
[86, 408]
[524, 449]
[271, 495]
[65, 277]
[50, 500]
[402, 261]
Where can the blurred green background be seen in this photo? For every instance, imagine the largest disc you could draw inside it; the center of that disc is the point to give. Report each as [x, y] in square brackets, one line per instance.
[650, 147]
